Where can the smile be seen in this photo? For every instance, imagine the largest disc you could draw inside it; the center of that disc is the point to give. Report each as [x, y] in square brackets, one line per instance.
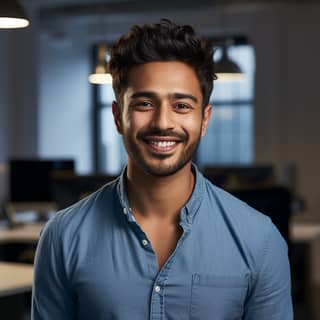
[163, 144]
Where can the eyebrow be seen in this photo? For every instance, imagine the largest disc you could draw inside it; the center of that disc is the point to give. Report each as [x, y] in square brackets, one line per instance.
[152, 95]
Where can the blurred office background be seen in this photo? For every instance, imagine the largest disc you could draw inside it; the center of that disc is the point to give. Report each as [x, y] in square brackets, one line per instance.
[262, 143]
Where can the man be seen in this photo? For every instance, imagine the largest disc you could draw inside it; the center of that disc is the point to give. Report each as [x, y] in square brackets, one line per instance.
[161, 242]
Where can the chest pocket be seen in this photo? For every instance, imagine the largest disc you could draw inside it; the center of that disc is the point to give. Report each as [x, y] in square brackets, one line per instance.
[217, 297]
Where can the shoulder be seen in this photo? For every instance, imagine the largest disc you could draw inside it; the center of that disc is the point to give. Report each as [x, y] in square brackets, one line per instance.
[252, 230]
[235, 209]
[68, 222]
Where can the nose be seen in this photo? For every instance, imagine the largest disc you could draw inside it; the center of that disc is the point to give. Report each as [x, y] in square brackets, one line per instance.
[163, 117]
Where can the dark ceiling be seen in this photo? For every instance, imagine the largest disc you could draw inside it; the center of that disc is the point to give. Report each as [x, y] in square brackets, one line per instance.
[85, 17]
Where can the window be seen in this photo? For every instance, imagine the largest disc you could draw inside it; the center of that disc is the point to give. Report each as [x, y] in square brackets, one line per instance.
[229, 139]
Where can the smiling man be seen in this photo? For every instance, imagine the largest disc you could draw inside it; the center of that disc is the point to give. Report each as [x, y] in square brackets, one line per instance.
[161, 121]
[161, 242]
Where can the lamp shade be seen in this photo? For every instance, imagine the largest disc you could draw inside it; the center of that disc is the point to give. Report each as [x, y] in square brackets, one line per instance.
[101, 73]
[226, 69]
[12, 15]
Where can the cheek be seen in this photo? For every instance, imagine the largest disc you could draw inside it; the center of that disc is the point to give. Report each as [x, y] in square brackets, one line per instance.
[192, 125]
[127, 121]
[133, 122]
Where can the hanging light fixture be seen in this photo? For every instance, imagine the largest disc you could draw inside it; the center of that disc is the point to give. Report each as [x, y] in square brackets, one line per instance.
[101, 73]
[225, 68]
[12, 15]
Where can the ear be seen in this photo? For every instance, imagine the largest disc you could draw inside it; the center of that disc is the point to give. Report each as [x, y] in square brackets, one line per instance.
[116, 111]
[206, 119]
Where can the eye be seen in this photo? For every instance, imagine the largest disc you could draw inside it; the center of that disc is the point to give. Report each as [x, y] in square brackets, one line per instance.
[182, 107]
[145, 103]
[142, 105]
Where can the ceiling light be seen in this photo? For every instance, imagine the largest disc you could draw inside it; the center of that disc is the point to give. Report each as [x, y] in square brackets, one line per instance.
[12, 15]
[225, 68]
[101, 73]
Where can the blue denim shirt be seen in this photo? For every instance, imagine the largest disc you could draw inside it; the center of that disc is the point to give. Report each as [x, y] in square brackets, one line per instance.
[93, 261]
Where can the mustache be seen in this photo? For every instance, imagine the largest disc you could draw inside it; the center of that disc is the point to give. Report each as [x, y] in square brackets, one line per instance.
[162, 133]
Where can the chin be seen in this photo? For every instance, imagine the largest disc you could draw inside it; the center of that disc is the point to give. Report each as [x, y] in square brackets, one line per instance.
[164, 170]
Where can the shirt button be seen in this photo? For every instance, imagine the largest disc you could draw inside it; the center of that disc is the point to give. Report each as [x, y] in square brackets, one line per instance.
[125, 210]
[157, 289]
[144, 242]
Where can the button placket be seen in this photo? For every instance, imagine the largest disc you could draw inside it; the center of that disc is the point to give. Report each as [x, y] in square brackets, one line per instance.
[156, 303]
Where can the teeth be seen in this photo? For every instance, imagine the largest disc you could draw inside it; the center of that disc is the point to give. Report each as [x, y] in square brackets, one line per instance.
[163, 144]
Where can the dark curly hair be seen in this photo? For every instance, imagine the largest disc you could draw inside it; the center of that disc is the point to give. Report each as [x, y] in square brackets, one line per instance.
[163, 41]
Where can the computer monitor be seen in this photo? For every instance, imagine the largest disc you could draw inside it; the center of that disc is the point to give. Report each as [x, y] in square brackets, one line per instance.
[240, 177]
[68, 189]
[31, 179]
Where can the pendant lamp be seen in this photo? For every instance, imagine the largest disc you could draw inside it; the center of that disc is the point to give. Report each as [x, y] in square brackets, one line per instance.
[12, 15]
[101, 73]
[225, 68]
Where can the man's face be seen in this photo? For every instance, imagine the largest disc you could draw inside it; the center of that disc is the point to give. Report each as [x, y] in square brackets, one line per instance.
[161, 118]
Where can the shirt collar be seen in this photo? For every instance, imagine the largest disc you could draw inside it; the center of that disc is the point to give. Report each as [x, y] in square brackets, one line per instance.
[191, 207]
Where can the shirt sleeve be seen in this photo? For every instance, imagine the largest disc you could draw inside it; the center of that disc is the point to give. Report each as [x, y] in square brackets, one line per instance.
[51, 296]
[270, 297]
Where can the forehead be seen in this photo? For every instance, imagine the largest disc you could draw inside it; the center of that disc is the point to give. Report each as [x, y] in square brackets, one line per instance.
[163, 78]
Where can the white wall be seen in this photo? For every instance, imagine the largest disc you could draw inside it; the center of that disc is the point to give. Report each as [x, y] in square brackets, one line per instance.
[65, 102]
[4, 114]
[18, 97]
[301, 106]
[287, 101]
[287, 96]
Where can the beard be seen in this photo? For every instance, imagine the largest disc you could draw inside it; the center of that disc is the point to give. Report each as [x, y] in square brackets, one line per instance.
[161, 165]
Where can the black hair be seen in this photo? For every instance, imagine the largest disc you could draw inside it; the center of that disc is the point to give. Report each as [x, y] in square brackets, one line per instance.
[162, 41]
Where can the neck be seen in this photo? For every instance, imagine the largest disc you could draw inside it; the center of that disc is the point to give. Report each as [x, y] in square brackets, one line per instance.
[159, 197]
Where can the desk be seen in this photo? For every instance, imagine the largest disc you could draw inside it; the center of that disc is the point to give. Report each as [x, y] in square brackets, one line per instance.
[19, 244]
[304, 231]
[41, 208]
[15, 290]
[15, 278]
[28, 233]
[309, 232]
